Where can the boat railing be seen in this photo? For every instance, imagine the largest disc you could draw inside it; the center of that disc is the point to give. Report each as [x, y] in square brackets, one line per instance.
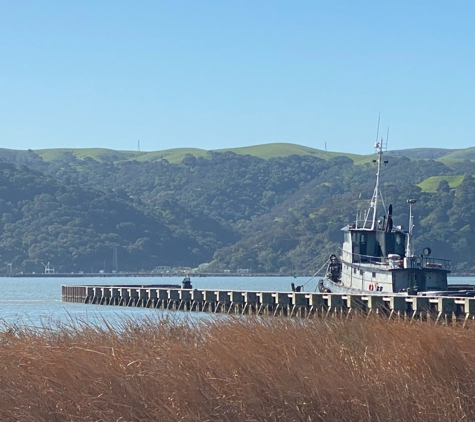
[366, 259]
[425, 262]
[410, 262]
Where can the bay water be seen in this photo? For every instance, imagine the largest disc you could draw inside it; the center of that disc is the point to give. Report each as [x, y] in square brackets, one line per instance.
[36, 302]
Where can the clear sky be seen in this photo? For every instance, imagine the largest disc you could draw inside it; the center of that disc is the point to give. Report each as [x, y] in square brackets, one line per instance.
[221, 74]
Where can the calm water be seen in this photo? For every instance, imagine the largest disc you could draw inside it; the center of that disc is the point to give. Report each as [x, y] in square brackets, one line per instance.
[37, 301]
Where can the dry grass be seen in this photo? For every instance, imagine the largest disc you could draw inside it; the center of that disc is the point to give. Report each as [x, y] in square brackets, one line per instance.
[238, 369]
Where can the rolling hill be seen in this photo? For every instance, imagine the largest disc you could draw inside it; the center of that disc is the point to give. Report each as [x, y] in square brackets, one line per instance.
[271, 208]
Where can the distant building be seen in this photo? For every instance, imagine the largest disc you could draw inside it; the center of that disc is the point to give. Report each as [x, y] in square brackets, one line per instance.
[243, 270]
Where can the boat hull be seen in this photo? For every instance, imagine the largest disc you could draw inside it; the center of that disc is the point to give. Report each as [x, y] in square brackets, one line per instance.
[333, 287]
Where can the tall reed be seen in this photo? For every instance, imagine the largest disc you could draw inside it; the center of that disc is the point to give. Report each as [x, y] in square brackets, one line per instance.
[238, 369]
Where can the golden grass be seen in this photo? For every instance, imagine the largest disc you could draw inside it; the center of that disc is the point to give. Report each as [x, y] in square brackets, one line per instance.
[239, 369]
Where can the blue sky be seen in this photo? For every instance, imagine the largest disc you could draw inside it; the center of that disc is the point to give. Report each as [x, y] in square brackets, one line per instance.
[222, 74]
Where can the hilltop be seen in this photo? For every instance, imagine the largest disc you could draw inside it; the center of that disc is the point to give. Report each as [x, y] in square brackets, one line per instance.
[265, 151]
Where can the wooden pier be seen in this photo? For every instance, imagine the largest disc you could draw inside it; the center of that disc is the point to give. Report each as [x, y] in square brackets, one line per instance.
[292, 304]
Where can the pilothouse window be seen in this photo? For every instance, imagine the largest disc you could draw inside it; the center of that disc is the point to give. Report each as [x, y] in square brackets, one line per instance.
[399, 244]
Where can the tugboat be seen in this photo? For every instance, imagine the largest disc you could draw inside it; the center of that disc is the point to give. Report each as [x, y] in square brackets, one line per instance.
[378, 258]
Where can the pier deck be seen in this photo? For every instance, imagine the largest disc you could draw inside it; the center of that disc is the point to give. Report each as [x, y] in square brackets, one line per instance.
[293, 304]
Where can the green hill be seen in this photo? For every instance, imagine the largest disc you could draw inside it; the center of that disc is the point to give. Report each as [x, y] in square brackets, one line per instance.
[422, 153]
[176, 155]
[273, 208]
[265, 151]
[461, 154]
[450, 157]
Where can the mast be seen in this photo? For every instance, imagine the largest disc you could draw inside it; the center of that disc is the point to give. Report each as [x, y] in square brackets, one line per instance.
[409, 251]
[373, 207]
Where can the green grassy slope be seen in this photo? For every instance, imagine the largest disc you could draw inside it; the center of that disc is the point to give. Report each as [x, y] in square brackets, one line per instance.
[274, 150]
[423, 153]
[449, 157]
[98, 154]
[266, 151]
[461, 154]
[431, 183]
[175, 155]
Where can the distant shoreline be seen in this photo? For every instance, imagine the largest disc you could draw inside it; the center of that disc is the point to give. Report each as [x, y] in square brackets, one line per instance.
[154, 274]
[144, 274]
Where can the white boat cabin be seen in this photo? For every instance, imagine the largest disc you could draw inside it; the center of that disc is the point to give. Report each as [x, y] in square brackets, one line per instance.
[376, 260]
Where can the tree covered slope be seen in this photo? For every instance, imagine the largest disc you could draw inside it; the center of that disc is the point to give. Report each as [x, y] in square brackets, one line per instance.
[270, 208]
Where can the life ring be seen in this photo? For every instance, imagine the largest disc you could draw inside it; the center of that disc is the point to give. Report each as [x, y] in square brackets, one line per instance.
[371, 287]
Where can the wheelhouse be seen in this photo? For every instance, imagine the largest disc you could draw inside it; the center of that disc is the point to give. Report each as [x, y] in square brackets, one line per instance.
[373, 246]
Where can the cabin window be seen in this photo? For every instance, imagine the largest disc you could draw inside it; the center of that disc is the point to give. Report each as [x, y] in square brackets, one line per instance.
[361, 272]
[399, 246]
[363, 239]
[373, 274]
[354, 270]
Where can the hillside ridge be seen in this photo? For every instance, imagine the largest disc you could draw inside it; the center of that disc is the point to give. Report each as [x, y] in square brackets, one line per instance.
[265, 151]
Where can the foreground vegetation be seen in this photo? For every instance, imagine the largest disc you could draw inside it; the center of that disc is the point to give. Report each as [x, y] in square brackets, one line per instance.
[238, 369]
